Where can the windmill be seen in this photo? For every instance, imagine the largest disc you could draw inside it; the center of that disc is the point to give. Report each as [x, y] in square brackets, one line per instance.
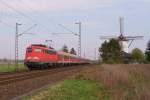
[125, 41]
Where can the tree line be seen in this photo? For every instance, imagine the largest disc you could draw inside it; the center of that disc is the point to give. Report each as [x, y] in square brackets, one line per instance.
[72, 50]
[111, 52]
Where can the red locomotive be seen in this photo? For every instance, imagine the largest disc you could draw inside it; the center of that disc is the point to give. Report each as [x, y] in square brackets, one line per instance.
[41, 56]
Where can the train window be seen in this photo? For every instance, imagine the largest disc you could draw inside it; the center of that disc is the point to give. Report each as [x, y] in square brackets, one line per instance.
[29, 50]
[38, 50]
[50, 52]
[46, 51]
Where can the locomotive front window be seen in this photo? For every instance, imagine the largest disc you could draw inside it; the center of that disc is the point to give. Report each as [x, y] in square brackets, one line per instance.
[29, 50]
[38, 50]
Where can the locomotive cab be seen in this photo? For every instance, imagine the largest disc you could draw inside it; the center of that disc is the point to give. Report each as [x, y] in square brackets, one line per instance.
[33, 54]
[40, 55]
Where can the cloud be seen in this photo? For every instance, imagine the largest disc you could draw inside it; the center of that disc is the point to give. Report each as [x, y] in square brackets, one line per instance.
[57, 5]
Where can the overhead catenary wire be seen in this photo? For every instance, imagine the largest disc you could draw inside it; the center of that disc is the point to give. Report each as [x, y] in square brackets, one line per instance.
[49, 19]
[11, 26]
[22, 14]
[30, 18]
[66, 28]
[14, 9]
[25, 32]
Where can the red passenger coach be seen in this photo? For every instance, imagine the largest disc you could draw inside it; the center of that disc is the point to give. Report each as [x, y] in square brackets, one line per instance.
[41, 56]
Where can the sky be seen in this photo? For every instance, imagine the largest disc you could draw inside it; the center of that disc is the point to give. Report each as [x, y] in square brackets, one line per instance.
[98, 17]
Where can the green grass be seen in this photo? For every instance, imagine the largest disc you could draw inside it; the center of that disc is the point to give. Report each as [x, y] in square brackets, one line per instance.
[11, 67]
[74, 89]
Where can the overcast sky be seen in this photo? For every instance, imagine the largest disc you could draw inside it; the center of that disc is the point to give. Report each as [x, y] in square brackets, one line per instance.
[98, 17]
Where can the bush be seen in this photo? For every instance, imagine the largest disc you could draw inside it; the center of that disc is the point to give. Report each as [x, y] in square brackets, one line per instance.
[138, 56]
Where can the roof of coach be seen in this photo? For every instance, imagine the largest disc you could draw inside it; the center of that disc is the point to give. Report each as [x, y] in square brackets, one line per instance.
[66, 54]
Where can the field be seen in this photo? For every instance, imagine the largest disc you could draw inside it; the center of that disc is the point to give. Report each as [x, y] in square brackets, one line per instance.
[12, 67]
[71, 90]
[101, 82]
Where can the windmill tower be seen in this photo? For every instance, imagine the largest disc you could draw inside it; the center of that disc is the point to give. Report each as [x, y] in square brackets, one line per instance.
[125, 41]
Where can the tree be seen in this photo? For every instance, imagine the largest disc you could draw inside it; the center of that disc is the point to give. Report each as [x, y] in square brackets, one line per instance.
[65, 49]
[137, 55]
[72, 51]
[147, 53]
[111, 52]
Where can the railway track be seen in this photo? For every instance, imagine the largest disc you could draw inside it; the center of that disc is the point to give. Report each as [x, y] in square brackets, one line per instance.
[16, 85]
[8, 79]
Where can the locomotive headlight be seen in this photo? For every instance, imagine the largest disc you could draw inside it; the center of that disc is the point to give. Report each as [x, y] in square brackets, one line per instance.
[36, 58]
[28, 58]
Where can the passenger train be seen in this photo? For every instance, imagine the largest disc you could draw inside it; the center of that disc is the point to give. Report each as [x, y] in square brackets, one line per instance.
[41, 56]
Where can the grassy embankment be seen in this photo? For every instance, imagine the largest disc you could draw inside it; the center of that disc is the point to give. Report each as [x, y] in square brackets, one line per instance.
[106, 82]
[12, 67]
[74, 89]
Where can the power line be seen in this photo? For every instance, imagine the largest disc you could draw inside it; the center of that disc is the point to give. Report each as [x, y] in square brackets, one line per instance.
[11, 26]
[62, 26]
[22, 14]
[25, 32]
[12, 8]
[65, 28]
[28, 17]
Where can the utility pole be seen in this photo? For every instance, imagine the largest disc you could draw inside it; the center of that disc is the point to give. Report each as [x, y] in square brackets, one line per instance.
[16, 45]
[79, 48]
[95, 54]
[17, 35]
[79, 36]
